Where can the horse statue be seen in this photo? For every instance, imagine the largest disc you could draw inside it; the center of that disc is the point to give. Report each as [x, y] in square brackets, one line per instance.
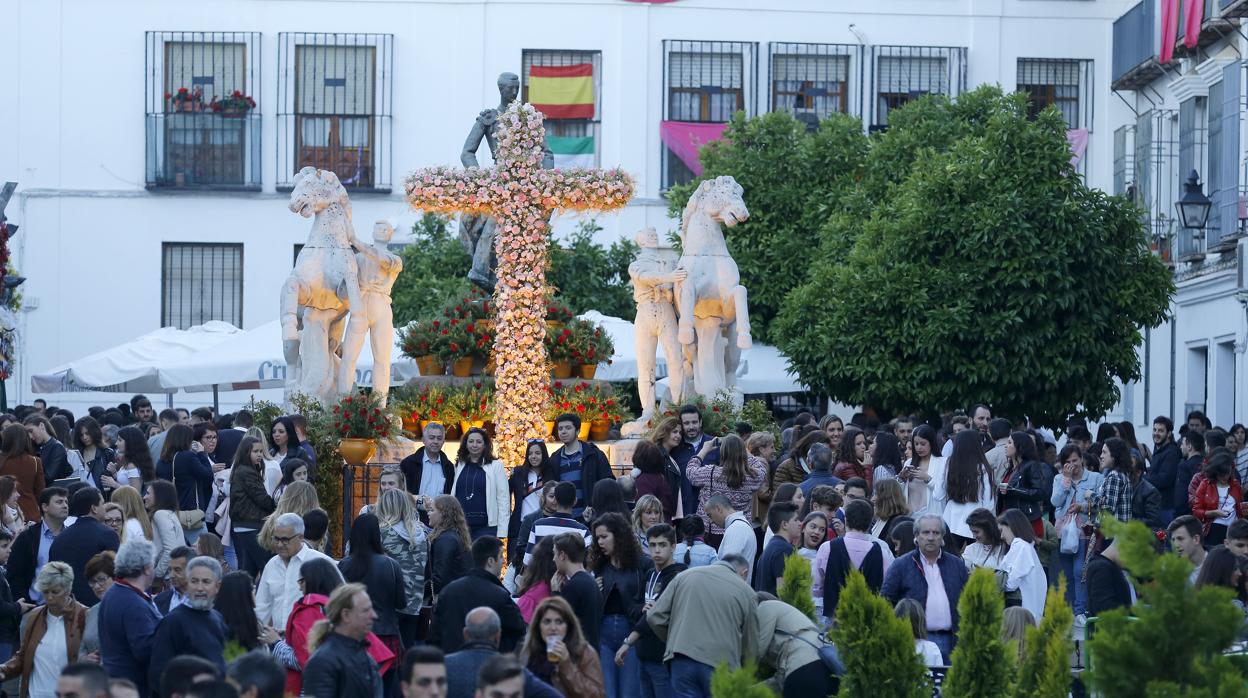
[711, 301]
[320, 290]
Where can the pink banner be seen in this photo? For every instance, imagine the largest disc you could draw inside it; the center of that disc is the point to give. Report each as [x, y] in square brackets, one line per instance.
[685, 138]
[1078, 139]
[1193, 16]
[1169, 28]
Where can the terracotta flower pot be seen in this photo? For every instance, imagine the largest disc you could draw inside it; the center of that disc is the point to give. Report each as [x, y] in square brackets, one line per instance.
[584, 433]
[563, 369]
[587, 371]
[550, 430]
[430, 365]
[411, 423]
[599, 429]
[357, 451]
[462, 368]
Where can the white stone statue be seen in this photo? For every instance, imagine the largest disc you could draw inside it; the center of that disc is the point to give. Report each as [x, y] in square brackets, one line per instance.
[379, 267]
[714, 323]
[653, 274]
[320, 290]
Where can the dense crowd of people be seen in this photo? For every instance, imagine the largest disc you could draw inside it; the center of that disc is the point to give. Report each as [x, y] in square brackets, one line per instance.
[186, 553]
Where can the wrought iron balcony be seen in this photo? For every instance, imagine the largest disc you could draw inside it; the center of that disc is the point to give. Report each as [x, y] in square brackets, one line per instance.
[203, 150]
[1136, 36]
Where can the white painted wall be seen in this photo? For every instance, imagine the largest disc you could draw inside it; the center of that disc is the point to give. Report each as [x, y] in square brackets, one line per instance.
[73, 126]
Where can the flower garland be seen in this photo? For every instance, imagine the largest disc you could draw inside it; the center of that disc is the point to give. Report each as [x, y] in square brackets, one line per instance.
[520, 195]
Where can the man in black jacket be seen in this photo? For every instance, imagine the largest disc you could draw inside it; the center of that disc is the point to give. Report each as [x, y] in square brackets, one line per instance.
[1163, 469]
[581, 463]
[480, 587]
[428, 472]
[84, 540]
[31, 549]
[1193, 450]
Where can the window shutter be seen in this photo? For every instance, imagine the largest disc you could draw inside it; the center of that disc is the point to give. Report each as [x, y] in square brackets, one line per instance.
[217, 68]
[906, 74]
[335, 79]
[1228, 194]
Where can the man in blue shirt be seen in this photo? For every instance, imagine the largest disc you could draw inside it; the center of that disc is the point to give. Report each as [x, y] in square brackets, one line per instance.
[783, 521]
[32, 547]
[580, 463]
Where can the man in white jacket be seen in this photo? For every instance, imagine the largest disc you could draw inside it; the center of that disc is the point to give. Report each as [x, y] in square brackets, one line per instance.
[739, 536]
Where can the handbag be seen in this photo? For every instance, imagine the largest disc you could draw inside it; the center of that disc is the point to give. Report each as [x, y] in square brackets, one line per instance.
[1012, 597]
[827, 653]
[194, 518]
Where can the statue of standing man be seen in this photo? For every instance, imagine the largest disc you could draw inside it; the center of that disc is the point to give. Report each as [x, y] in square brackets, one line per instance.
[654, 275]
[379, 267]
[476, 233]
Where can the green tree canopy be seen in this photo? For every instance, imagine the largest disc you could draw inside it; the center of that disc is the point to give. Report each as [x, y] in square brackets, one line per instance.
[972, 264]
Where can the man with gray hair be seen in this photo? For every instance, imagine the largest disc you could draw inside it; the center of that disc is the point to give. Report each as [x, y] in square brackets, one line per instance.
[932, 577]
[278, 588]
[128, 617]
[820, 458]
[739, 536]
[195, 627]
[428, 471]
[482, 630]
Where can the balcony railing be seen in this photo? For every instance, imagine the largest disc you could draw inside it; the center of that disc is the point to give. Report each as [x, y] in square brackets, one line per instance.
[1135, 47]
[198, 150]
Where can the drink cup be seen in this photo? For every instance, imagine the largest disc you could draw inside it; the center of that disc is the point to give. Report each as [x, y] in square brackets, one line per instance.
[550, 646]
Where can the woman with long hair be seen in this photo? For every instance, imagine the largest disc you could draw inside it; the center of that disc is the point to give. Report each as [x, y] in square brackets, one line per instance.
[1021, 564]
[556, 652]
[851, 455]
[1139, 452]
[182, 462]
[534, 584]
[236, 602]
[404, 539]
[607, 497]
[814, 533]
[891, 507]
[914, 613]
[1073, 490]
[272, 467]
[299, 498]
[968, 484]
[20, 462]
[884, 456]
[88, 440]
[1219, 498]
[1116, 492]
[1224, 568]
[647, 512]
[294, 469]
[210, 545]
[795, 468]
[481, 486]
[1022, 486]
[833, 426]
[134, 466]
[737, 476]
[135, 522]
[691, 551]
[1105, 432]
[525, 485]
[10, 516]
[449, 543]
[989, 546]
[369, 565]
[249, 505]
[161, 501]
[1014, 624]
[924, 474]
[615, 559]
[762, 445]
[284, 440]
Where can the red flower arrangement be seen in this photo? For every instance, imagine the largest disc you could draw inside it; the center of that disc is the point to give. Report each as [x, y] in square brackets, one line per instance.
[361, 416]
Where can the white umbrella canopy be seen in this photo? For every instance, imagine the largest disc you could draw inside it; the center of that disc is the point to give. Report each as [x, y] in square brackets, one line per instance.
[253, 360]
[132, 367]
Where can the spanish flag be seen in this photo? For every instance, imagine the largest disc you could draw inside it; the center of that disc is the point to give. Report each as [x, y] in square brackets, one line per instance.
[563, 91]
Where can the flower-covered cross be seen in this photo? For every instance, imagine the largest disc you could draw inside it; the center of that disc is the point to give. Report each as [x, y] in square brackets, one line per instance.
[520, 195]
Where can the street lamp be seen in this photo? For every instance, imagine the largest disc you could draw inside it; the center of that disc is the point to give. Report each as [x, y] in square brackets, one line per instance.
[1193, 208]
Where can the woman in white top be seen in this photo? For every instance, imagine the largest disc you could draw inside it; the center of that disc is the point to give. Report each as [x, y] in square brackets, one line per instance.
[923, 474]
[913, 613]
[481, 486]
[1021, 564]
[134, 516]
[967, 485]
[161, 500]
[988, 549]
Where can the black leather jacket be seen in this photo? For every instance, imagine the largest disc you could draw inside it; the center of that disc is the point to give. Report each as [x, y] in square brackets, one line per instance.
[630, 583]
[1026, 490]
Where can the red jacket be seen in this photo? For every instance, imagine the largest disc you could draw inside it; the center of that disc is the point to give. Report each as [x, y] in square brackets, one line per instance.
[1206, 500]
[303, 616]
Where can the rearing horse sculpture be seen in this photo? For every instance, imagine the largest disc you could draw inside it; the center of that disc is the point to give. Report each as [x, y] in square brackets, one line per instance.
[712, 300]
[320, 290]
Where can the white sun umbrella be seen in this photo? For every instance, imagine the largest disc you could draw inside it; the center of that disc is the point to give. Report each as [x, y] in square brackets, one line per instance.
[623, 364]
[132, 367]
[253, 360]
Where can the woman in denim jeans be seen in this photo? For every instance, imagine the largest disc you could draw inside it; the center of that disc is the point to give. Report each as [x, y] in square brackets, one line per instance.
[1073, 490]
[615, 559]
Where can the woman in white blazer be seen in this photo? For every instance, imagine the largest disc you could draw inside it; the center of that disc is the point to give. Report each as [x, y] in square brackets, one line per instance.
[923, 475]
[481, 486]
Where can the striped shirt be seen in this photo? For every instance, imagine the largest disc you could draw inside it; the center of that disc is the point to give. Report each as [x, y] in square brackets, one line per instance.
[553, 526]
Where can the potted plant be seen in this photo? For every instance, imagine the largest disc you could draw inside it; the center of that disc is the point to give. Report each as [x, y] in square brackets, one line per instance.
[560, 349]
[557, 314]
[236, 105]
[591, 345]
[360, 422]
[184, 99]
[475, 402]
[458, 351]
[424, 342]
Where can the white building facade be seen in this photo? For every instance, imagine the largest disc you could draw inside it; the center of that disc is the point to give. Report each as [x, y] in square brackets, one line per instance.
[139, 212]
[1188, 114]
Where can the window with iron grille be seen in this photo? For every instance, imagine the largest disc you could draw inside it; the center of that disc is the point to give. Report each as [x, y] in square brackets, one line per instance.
[901, 74]
[705, 82]
[202, 116]
[1124, 160]
[569, 93]
[1059, 82]
[201, 282]
[334, 102]
[814, 80]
